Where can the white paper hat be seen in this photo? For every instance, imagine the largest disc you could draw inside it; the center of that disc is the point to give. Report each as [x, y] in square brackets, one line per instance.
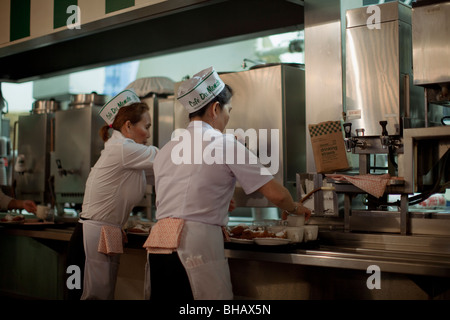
[122, 99]
[198, 91]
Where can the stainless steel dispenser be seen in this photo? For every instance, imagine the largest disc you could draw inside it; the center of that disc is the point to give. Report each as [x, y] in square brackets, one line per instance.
[161, 113]
[384, 98]
[36, 134]
[269, 98]
[157, 93]
[379, 76]
[77, 147]
[381, 101]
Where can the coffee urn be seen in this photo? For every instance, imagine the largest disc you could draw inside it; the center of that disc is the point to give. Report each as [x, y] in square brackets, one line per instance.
[35, 143]
[77, 147]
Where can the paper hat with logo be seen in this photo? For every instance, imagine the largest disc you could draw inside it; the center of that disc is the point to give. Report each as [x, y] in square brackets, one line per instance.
[122, 99]
[198, 91]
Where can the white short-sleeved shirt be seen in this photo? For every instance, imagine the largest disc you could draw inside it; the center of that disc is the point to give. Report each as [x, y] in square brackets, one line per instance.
[199, 188]
[117, 182]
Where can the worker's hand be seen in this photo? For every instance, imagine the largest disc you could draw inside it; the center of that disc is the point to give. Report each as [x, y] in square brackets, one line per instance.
[300, 210]
[232, 206]
[304, 210]
[30, 206]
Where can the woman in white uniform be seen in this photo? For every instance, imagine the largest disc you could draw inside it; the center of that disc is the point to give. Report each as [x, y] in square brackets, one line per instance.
[195, 176]
[115, 185]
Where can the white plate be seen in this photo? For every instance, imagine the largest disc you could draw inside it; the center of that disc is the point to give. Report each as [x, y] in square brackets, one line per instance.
[244, 241]
[271, 241]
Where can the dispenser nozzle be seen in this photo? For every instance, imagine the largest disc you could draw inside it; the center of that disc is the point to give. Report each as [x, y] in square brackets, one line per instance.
[348, 136]
[384, 135]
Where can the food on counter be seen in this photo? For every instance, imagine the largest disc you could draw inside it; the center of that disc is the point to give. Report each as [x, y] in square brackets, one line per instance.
[13, 218]
[140, 228]
[243, 231]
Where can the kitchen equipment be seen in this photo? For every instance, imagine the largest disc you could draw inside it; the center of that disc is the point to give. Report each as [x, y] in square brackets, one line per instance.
[381, 100]
[81, 100]
[379, 76]
[77, 147]
[157, 93]
[35, 142]
[430, 31]
[161, 113]
[383, 92]
[45, 106]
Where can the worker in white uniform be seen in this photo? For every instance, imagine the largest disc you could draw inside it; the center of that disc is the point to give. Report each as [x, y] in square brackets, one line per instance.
[195, 176]
[115, 185]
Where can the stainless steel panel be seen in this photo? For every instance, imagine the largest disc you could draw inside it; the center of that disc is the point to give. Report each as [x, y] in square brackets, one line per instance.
[323, 65]
[77, 146]
[372, 82]
[258, 104]
[165, 120]
[379, 79]
[391, 11]
[34, 142]
[270, 98]
[419, 255]
[431, 45]
[436, 138]
[162, 115]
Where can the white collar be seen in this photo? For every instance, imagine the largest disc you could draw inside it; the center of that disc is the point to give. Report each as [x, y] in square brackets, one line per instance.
[199, 124]
[117, 135]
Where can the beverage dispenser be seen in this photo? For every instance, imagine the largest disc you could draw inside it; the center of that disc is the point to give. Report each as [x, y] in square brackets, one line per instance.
[36, 138]
[77, 147]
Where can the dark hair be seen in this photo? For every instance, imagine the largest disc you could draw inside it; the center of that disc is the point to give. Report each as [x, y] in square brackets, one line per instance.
[223, 98]
[133, 113]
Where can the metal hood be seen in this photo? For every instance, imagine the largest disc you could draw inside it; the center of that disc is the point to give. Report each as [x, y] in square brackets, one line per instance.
[166, 27]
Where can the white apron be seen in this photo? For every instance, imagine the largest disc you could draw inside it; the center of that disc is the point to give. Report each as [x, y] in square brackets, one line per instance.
[201, 251]
[100, 270]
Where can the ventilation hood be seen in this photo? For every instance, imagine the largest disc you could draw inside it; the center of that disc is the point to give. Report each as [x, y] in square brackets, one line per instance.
[170, 26]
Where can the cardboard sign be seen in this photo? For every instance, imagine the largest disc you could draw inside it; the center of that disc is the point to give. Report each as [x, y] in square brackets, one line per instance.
[328, 146]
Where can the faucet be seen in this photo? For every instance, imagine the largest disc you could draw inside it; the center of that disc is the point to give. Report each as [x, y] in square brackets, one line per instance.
[349, 143]
[352, 142]
[62, 171]
[385, 142]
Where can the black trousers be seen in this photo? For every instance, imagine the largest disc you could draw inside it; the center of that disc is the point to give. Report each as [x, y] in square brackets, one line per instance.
[77, 257]
[168, 278]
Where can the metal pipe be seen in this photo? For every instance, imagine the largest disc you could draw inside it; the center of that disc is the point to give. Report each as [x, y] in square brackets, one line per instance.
[14, 158]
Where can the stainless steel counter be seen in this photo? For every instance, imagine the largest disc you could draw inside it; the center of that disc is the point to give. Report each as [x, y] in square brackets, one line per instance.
[415, 255]
[334, 267]
[355, 258]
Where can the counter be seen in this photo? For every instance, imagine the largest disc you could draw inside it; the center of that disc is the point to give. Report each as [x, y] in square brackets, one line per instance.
[304, 271]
